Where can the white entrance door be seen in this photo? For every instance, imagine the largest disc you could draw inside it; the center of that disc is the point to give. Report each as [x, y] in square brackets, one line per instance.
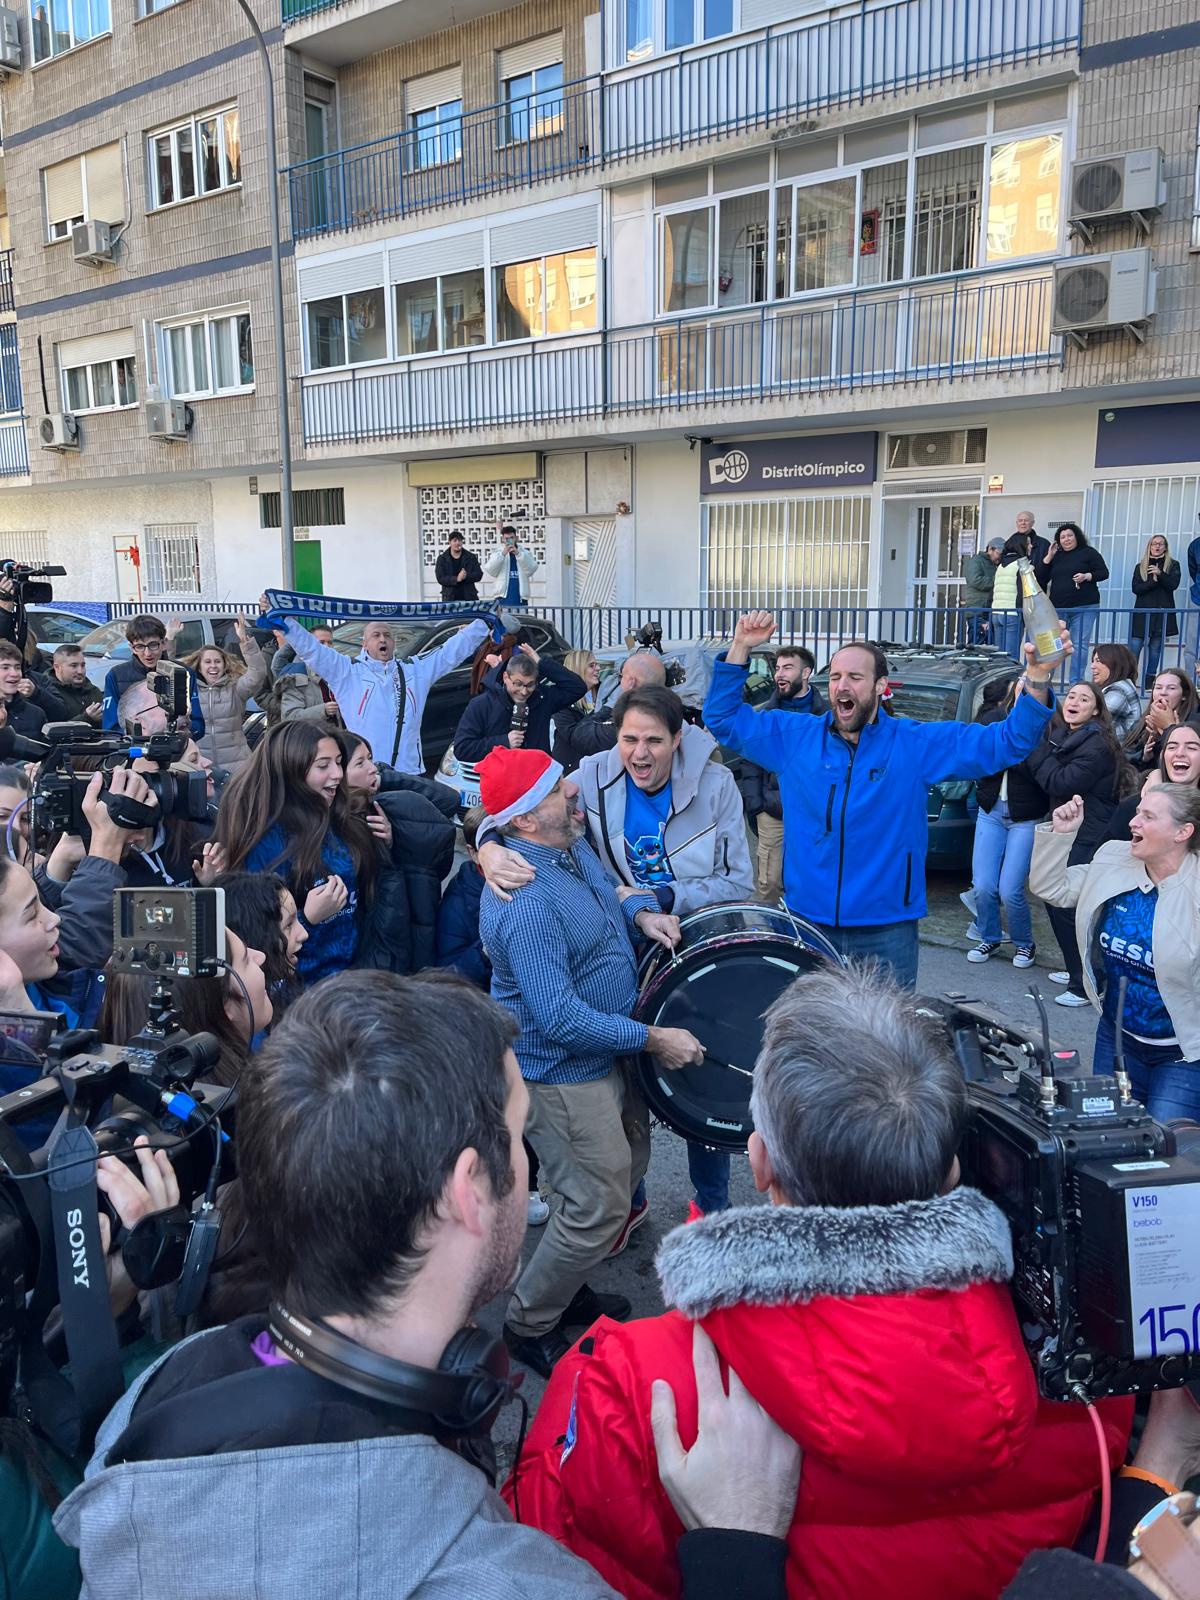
[594, 561]
[128, 557]
[945, 534]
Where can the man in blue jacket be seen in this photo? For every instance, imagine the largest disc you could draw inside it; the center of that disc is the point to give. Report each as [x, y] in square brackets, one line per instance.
[854, 785]
[517, 707]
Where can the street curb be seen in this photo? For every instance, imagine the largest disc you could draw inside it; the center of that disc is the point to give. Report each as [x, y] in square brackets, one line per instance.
[953, 944]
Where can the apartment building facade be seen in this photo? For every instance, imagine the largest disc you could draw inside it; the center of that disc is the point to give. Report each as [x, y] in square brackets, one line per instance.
[731, 300]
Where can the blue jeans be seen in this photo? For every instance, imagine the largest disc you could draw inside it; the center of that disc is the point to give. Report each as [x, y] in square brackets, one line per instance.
[895, 945]
[1082, 622]
[979, 624]
[999, 868]
[709, 1172]
[1007, 630]
[1156, 629]
[1166, 1084]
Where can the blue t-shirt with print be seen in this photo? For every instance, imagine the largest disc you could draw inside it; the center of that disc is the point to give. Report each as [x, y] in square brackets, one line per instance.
[512, 595]
[1127, 946]
[645, 822]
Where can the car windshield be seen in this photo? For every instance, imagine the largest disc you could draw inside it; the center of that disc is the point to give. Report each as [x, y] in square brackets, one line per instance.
[101, 640]
[53, 627]
[924, 702]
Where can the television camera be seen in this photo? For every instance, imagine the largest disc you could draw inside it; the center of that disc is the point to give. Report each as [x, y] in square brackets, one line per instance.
[102, 1098]
[29, 588]
[56, 802]
[1103, 1202]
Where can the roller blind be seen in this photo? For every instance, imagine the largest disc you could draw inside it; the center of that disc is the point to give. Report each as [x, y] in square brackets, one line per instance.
[458, 252]
[105, 184]
[434, 89]
[64, 190]
[531, 55]
[342, 277]
[96, 347]
[545, 236]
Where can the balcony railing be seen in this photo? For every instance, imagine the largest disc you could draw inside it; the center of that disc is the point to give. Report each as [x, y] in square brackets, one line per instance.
[6, 282]
[943, 329]
[874, 48]
[14, 452]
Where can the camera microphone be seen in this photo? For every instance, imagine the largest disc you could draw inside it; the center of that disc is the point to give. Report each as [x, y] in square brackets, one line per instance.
[520, 716]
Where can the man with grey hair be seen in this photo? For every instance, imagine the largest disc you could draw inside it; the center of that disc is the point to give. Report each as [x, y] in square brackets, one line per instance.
[140, 707]
[578, 734]
[865, 1308]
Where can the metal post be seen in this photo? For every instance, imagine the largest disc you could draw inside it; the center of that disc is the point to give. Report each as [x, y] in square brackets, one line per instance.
[287, 543]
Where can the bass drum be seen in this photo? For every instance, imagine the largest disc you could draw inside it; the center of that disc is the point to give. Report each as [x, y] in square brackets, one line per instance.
[732, 962]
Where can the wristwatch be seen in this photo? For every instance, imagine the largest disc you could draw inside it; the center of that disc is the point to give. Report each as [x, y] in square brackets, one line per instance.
[1161, 1539]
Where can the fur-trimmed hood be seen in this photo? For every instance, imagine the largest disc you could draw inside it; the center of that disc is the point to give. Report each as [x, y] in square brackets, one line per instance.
[783, 1255]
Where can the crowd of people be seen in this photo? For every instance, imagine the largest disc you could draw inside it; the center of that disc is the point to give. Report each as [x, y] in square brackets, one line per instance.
[431, 1051]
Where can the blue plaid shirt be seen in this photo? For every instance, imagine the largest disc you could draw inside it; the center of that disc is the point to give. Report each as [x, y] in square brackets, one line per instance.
[563, 963]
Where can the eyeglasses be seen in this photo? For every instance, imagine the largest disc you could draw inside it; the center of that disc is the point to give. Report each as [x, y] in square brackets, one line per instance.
[147, 644]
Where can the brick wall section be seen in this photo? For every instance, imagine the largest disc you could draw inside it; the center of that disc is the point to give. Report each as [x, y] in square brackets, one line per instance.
[1104, 20]
[372, 90]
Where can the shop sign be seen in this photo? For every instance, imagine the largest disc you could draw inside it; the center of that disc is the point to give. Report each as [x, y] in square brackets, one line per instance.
[806, 462]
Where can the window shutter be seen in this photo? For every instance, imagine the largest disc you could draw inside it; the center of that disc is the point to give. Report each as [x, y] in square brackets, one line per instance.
[342, 277]
[105, 184]
[96, 347]
[531, 55]
[434, 89]
[546, 235]
[64, 190]
[457, 252]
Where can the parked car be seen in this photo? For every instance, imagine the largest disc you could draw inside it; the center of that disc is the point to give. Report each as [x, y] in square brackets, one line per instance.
[943, 683]
[52, 626]
[449, 695]
[106, 645]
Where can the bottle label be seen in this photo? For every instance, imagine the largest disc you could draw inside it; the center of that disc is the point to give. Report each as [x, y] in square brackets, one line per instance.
[1029, 585]
[1045, 643]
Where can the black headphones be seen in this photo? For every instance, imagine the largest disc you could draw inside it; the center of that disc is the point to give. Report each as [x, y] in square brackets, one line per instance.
[461, 1396]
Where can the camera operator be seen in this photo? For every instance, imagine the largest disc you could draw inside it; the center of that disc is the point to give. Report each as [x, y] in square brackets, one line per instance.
[866, 1309]
[79, 695]
[26, 697]
[585, 733]
[384, 1177]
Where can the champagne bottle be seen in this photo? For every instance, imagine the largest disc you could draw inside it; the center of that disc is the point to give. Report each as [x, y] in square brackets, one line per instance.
[1041, 619]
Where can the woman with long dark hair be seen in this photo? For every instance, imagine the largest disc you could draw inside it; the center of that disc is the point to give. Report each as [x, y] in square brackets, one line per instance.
[260, 909]
[1114, 672]
[1070, 572]
[287, 812]
[1172, 701]
[1079, 755]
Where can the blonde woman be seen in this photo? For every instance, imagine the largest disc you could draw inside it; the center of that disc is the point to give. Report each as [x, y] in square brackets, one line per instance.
[1155, 580]
[224, 684]
[571, 743]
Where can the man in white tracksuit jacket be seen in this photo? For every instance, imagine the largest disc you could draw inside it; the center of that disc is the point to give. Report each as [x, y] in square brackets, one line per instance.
[366, 687]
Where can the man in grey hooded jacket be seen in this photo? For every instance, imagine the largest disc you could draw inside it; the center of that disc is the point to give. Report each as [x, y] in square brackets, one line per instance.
[385, 1186]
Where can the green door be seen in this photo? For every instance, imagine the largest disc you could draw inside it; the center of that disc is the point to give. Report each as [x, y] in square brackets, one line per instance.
[308, 566]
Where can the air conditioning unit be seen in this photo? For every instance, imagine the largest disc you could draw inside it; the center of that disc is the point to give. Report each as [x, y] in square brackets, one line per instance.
[10, 41]
[168, 419]
[1117, 187]
[59, 431]
[1095, 293]
[92, 242]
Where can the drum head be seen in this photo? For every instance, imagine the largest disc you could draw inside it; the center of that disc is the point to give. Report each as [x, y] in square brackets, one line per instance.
[719, 990]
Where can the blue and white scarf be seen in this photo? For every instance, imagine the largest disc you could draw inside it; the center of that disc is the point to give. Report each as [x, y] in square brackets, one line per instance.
[285, 603]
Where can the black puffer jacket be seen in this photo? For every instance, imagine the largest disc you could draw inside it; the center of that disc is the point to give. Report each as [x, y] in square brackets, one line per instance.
[28, 716]
[1079, 761]
[487, 720]
[760, 788]
[582, 733]
[400, 933]
[1026, 798]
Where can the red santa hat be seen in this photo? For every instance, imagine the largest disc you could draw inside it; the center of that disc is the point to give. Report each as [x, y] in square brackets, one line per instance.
[514, 782]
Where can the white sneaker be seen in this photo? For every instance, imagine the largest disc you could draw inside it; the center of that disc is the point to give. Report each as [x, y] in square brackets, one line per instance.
[1059, 977]
[983, 950]
[968, 899]
[539, 1211]
[1069, 998]
[1024, 956]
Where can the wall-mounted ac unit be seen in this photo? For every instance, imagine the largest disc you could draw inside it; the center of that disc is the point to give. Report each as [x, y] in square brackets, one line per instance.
[59, 431]
[10, 41]
[1128, 185]
[92, 242]
[1096, 293]
[168, 419]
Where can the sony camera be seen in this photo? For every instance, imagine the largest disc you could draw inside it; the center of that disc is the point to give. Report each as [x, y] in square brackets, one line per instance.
[56, 803]
[1103, 1202]
[26, 581]
[84, 1099]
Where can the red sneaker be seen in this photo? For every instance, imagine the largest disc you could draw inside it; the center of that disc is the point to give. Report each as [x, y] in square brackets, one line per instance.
[694, 1212]
[633, 1221]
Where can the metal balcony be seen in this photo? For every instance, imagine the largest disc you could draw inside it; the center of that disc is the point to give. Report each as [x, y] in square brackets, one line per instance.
[6, 281]
[14, 451]
[848, 56]
[936, 330]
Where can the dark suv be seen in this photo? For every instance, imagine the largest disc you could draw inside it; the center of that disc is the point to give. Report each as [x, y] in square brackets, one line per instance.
[943, 683]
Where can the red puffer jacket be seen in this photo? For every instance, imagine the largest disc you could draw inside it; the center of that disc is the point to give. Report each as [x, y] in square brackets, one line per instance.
[885, 1342]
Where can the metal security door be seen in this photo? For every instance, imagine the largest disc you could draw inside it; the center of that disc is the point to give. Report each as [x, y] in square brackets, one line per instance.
[946, 534]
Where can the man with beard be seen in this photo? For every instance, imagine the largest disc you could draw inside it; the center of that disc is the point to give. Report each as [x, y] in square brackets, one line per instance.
[854, 785]
[563, 963]
[760, 788]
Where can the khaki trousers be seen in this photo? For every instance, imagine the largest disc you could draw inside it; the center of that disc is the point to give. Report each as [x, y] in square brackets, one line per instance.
[593, 1142]
[769, 861]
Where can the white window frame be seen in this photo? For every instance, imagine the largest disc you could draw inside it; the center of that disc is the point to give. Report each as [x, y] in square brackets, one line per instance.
[1196, 192]
[506, 138]
[659, 44]
[389, 303]
[88, 367]
[447, 125]
[442, 350]
[53, 237]
[75, 44]
[208, 320]
[534, 338]
[151, 8]
[987, 141]
[172, 131]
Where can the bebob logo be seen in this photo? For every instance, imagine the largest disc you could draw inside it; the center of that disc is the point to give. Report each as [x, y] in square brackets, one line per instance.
[732, 467]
